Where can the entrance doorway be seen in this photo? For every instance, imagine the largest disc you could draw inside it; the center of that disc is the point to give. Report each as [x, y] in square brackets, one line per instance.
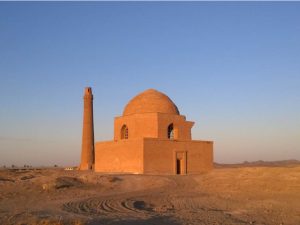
[178, 166]
[180, 162]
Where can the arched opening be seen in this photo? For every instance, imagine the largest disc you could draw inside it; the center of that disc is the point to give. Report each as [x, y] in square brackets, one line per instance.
[124, 132]
[171, 131]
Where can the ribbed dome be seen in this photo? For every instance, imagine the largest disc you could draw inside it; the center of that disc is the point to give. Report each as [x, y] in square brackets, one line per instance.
[150, 101]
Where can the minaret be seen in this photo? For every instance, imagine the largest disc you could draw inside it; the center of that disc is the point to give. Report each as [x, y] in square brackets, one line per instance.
[87, 152]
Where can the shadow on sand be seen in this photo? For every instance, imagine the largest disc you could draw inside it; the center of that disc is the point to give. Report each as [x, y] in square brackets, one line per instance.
[158, 220]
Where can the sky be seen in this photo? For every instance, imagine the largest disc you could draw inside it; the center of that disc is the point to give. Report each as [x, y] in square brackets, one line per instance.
[231, 67]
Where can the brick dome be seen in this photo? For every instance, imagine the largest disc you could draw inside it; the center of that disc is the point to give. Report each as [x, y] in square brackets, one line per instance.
[150, 101]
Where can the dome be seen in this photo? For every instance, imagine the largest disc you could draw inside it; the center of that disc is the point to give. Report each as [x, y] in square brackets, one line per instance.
[150, 101]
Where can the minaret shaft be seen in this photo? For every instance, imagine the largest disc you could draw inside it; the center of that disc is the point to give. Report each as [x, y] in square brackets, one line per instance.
[87, 152]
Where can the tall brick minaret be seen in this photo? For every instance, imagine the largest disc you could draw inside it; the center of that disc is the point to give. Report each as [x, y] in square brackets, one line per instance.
[87, 152]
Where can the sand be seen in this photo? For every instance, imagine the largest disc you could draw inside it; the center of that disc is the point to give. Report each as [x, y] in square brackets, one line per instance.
[240, 195]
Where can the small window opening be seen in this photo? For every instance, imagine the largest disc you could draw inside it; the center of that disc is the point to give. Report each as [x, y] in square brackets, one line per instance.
[124, 132]
[171, 131]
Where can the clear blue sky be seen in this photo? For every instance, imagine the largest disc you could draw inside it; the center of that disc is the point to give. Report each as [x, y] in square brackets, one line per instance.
[232, 67]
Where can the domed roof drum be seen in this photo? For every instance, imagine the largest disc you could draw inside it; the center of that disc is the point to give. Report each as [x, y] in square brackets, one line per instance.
[150, 101]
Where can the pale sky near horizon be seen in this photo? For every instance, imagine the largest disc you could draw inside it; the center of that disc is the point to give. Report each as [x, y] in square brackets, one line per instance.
[232, 67]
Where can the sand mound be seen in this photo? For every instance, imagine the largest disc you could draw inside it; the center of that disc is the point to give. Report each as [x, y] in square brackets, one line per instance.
[63, 182]
[27, 177]
[6, 179]
[66, 182]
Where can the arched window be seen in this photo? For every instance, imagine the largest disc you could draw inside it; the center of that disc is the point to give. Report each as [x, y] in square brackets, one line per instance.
[124, 132]
[171, 131]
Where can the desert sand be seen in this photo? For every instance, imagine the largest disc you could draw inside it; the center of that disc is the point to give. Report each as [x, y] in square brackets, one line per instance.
[226, 195]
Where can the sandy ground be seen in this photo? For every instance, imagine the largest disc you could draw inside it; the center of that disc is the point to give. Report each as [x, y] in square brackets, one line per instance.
[243, 195]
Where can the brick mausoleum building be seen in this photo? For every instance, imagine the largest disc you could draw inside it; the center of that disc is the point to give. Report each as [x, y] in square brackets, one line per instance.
[151, 137]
